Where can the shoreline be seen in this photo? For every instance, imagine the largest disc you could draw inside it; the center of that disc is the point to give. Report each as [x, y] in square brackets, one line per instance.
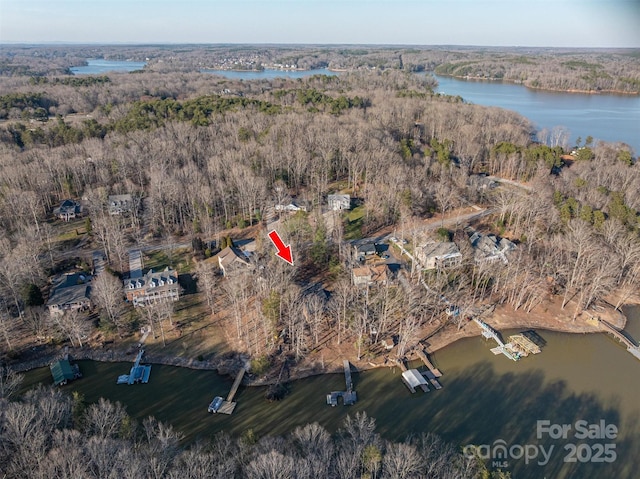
[227, 366]
[536, 88]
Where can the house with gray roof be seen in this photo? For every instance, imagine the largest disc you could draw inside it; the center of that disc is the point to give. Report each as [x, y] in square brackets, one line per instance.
[290, 204]
[71, 293]
[489, 248]
[120, 204]
[232, 260]
[435, 255]
[152, 287]
[67, 210]
[339, 202]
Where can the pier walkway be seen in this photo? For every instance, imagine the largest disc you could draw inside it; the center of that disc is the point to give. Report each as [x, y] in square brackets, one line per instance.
[434, 373]
[349, 397]
[631, 345]
[138, 373]
[489, 333]
[423, 356]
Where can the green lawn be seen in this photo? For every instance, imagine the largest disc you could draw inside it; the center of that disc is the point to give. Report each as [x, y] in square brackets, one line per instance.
[353, 222]
[179, 259]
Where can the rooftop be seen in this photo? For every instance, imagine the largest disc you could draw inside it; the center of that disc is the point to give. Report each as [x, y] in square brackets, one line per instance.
[62, 371]
[231, 254]
[69, 292]
[437, 249]
[154, 279]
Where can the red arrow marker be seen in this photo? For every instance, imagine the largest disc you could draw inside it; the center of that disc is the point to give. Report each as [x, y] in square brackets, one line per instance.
[284, 251]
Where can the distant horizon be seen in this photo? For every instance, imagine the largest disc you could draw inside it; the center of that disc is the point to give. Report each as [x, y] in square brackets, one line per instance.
[299, 44]
[497, 23]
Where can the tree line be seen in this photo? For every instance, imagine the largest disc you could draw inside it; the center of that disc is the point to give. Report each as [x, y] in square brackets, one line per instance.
[47, 433]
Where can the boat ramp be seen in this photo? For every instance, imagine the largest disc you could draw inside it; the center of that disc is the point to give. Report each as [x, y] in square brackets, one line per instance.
[221, 406]
[349, 397]
[138, 374]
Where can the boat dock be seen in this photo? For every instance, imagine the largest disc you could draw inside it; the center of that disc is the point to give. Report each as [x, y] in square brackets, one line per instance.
[621, 336]
[489, 333]
[349, 397]
[523, 343]
[412, 378]
[432, 379]
[138, 374]
[423, 356]
[222, 406]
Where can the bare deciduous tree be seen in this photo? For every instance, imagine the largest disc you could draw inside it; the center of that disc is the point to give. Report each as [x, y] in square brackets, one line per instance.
[108, 296]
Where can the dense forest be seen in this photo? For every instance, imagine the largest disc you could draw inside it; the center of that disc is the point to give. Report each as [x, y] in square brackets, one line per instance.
[51, 434]
[207, 158]
[546, 68]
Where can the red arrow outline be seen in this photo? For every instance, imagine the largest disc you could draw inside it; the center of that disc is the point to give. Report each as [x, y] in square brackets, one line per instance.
[283, 251]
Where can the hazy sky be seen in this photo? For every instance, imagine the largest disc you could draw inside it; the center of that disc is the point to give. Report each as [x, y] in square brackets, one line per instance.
[582, 23]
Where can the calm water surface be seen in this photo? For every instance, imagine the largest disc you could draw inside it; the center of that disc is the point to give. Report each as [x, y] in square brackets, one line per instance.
[603, 116]
[484, 399]
[98, 66]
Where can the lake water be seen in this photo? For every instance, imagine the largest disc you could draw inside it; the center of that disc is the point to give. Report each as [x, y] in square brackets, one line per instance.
[603, 116]
[99, 66]
[485, 398]
[268, 74]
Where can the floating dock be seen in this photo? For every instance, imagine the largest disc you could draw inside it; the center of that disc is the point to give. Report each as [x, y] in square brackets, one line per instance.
[349, 397]
[138, 374]
[63, 371]
[432, 379]
[222, 406]
[489, 333]
[412, 378]
[523, 345]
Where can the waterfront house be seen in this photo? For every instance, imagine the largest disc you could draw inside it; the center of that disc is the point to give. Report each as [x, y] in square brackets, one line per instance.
[434, 255]
[231, 260]
[153, 286]
[71, 293]
[489, 248]
[339, 202]
[368, 275]
[290, 205]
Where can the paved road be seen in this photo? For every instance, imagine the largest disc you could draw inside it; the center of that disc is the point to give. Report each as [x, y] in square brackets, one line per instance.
[517, 184]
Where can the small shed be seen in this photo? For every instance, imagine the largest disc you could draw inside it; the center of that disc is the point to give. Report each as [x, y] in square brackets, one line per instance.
[63, 371]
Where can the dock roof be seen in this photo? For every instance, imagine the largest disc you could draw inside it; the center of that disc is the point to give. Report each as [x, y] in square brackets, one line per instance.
[61, 371]
[414, 378]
